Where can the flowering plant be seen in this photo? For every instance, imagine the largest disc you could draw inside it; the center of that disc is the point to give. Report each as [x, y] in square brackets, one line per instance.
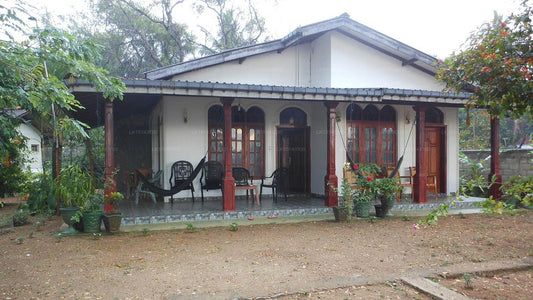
[387, 188]
[364, 182]
[113, 198]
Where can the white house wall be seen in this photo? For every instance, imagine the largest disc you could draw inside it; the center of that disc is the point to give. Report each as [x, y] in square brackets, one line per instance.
[288, 68]
[188, 140]
[355, 65]
[331, 60]
[451, 120]
[34, 158]
[321, 61]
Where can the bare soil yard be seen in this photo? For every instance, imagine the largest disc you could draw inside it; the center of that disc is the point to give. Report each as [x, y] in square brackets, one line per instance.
[317, 260]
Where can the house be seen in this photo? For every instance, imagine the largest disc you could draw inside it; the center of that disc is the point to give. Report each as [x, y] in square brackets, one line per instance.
[33, 157]
[303, 102]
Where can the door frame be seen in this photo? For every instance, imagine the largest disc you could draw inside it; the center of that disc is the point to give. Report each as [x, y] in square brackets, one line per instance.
[307, 130]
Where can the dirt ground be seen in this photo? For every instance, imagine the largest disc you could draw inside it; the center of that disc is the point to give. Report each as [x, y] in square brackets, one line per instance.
[316, 260]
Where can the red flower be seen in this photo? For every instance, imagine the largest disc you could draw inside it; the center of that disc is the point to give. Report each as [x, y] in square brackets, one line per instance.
[368, 178]
[355, 167]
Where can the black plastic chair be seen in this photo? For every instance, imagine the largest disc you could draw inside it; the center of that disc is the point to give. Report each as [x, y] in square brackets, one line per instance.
[180, 172]
[278, 183]
[212, 175]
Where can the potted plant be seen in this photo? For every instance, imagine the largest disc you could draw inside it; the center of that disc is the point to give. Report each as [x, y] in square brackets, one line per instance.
[91, 213]
[386, 190]
[75, 188]
[364, 193]
[113, 218]
[343, 211]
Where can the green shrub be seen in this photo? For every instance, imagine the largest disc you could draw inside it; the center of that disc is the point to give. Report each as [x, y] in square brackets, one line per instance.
[20, 218]
[42, 194]
[518, 190]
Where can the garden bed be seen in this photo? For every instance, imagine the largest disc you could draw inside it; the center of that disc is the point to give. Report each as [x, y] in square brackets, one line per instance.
[317, 260]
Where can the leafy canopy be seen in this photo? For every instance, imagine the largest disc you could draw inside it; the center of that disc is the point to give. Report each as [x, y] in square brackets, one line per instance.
[33, 64]
[496, 65]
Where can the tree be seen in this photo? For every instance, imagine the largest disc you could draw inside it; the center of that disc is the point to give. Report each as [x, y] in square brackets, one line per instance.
[235, 27]
[474, 130]
[140, 37]
[32, 73]
[496, 65]
[135, 39]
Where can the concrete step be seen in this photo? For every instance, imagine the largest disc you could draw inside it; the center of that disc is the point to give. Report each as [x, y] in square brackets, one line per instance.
[432, 288]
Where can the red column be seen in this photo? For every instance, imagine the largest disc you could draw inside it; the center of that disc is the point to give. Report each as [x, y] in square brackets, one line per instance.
[420, 180]
[495, 191]
[109, 152]
[331, 179]
[228, 181]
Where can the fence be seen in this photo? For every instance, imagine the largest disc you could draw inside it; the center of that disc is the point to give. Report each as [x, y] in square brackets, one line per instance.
[512, 162]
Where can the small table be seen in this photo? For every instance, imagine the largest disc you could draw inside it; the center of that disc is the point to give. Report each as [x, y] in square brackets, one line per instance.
[253, 190]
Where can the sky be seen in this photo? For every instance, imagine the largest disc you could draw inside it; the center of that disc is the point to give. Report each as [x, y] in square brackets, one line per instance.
[436, 27]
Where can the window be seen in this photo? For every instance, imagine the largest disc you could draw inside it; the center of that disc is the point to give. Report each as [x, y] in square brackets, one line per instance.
[371, 134]
[293, 117]
[247, 137]
[216, 133]
[34, 148]
[434, 115]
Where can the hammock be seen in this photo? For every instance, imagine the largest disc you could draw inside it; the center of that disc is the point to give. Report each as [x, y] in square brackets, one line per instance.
[398, 163]
[184, 185]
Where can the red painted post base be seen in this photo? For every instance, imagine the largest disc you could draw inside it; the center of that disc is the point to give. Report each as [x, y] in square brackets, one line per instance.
[495, 188]
[332, 198]
[109, 208]
[420, 190]
[228, 203]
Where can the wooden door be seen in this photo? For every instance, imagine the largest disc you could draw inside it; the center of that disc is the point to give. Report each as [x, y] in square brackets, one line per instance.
[293, 153]
[435, 162]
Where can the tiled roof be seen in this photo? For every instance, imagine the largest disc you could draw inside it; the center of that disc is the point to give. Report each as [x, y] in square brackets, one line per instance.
[273, 92]
[366, 35]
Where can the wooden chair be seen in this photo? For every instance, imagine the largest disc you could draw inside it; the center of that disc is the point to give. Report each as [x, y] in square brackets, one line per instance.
[408, 180]
[212, 175]
[180, 172]
[431, 184]
[243, 181]
[350, 176]
[278, 181]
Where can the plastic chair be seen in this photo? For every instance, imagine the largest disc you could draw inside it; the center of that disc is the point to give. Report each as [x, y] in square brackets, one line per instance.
[279, 182]
[180, 172]
[139, 190]
[211, 179]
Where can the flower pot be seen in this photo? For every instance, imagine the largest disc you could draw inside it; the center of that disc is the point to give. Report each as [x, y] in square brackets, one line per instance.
[112, 222]
[386, 205]
[380, 212]
[92, 221]
[341, 214]
[66, 215]
[362, 208]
